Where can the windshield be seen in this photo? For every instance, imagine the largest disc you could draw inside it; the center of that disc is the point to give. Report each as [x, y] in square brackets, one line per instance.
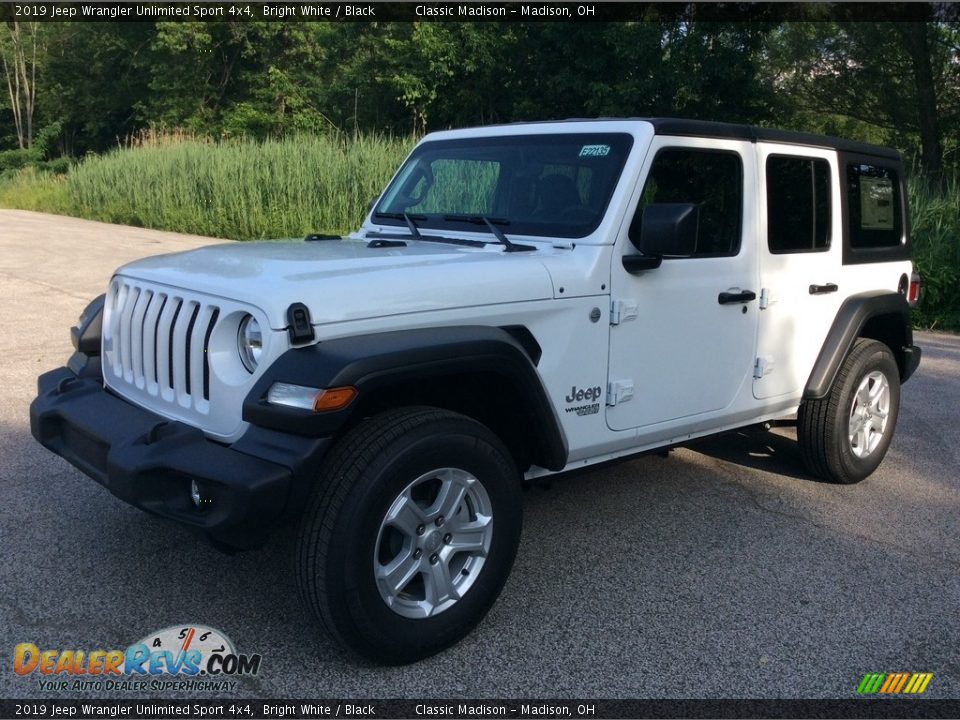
[550, 185]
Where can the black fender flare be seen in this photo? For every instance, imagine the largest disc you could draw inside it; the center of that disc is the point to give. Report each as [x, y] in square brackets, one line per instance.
[385, 360]
[850, 322]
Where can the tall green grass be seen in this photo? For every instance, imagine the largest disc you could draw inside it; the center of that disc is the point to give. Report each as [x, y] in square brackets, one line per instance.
[242, 190]
[935, 217]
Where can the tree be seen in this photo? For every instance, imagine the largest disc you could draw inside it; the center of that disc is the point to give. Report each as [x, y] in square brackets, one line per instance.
[19, 54]
[96, 78]
[898, 76]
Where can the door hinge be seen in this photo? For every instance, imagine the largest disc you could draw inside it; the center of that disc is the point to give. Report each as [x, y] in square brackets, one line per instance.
[622, 310]
[766, 298]
[763, 366]
[619, 391]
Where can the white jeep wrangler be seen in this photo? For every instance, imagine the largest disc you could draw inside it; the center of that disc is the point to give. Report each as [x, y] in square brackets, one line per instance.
[521, 300]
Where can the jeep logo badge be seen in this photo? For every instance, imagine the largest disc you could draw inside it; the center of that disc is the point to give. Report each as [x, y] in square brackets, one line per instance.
[588, 394]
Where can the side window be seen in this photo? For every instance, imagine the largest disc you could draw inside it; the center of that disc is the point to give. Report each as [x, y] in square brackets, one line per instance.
[713, 180]
[873, 202]
[798, 204]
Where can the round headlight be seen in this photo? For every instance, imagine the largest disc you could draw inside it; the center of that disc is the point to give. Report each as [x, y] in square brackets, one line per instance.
[249, 343]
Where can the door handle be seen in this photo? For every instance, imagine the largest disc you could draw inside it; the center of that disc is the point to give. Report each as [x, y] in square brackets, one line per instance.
[728, 298]
[823, 289]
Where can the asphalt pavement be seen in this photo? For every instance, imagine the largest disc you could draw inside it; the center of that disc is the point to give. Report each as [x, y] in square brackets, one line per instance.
[721, 571]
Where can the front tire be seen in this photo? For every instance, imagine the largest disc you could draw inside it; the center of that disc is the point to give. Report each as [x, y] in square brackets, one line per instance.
[844, 436]
[410, 534]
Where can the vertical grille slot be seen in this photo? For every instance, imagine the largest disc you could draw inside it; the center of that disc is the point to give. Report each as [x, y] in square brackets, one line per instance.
[126, 336]
[136, 336]
[117, 321]
[188, 360]
[206, 353]
[164, 343]
[150, 327]
[197, 356]
[178, 333]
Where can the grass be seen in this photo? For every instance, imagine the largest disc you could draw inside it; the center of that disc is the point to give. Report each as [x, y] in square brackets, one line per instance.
[297, 185]
[935, 218]
[30, 189]
[243, 190]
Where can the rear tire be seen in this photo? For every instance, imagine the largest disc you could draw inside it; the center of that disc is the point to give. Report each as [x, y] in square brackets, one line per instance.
[410, 534]
[844, 436]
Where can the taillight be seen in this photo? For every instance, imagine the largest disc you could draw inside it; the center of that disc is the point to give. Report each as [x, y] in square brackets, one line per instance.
[913, 293]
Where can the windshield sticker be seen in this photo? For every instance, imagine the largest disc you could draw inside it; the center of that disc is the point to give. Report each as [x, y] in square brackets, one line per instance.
[594, 151]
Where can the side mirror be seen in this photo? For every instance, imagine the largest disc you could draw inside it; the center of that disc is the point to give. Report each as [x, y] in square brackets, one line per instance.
[668, 230]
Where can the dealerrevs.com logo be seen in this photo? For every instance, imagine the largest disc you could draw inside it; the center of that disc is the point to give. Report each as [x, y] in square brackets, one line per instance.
[180, 657]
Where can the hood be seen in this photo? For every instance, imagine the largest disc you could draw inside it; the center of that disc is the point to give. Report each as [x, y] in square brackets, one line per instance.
[346, 280]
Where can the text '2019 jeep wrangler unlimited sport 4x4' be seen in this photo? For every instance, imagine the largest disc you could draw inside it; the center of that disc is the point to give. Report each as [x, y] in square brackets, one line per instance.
[520, 301]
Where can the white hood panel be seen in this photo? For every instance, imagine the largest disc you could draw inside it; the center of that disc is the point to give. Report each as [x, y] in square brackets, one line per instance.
[346, 280]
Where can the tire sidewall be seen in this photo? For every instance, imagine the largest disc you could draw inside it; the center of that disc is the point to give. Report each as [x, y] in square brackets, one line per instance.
[350, 573]
[875, 357]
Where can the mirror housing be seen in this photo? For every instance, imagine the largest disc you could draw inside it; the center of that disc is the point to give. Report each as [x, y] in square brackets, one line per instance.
[668, 230]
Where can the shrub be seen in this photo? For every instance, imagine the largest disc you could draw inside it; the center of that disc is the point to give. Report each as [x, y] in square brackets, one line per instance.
[936, 253]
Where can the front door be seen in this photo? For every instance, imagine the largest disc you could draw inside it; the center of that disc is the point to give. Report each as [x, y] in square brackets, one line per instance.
[683, 335]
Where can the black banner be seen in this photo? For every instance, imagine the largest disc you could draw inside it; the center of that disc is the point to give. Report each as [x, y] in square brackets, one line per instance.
[472, 709]
[601, 11]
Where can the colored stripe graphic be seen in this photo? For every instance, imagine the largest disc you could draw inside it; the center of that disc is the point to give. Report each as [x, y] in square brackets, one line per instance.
[922, 684]
[889, 682]
[894, 683]
[871, 683]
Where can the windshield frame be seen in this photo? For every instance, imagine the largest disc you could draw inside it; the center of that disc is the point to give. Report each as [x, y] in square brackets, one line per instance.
[618, 144]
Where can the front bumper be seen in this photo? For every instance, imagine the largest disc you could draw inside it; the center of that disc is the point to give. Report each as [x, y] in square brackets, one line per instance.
[149, 461]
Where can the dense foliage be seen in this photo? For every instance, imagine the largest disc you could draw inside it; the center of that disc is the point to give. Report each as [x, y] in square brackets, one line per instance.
[315, 104]
[94, 84]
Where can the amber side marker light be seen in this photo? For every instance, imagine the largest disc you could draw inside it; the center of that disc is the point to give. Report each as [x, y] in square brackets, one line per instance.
[310, 398]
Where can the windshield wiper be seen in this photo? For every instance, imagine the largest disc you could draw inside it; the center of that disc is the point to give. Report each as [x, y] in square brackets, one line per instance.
[428, 238]
[407, 218]
[497, 232]
[477, 219]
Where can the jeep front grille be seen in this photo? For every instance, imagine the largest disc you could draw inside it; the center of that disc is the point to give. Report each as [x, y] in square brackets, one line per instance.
[157, 340]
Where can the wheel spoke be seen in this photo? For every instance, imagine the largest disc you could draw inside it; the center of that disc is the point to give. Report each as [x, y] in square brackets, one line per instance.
[860, 441]
[399, 572]
[472, 537]
[451, 495]
[405, 515]
[879, 406]
[438, 584]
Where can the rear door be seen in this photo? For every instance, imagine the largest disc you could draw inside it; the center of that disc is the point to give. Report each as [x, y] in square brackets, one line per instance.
[800, 264]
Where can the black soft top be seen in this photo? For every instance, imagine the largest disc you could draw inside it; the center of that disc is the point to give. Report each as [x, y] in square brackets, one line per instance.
[703, 128]
[736, 131]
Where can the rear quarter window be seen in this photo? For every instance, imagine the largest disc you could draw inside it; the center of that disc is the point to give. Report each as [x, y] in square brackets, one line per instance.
[875, 211]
